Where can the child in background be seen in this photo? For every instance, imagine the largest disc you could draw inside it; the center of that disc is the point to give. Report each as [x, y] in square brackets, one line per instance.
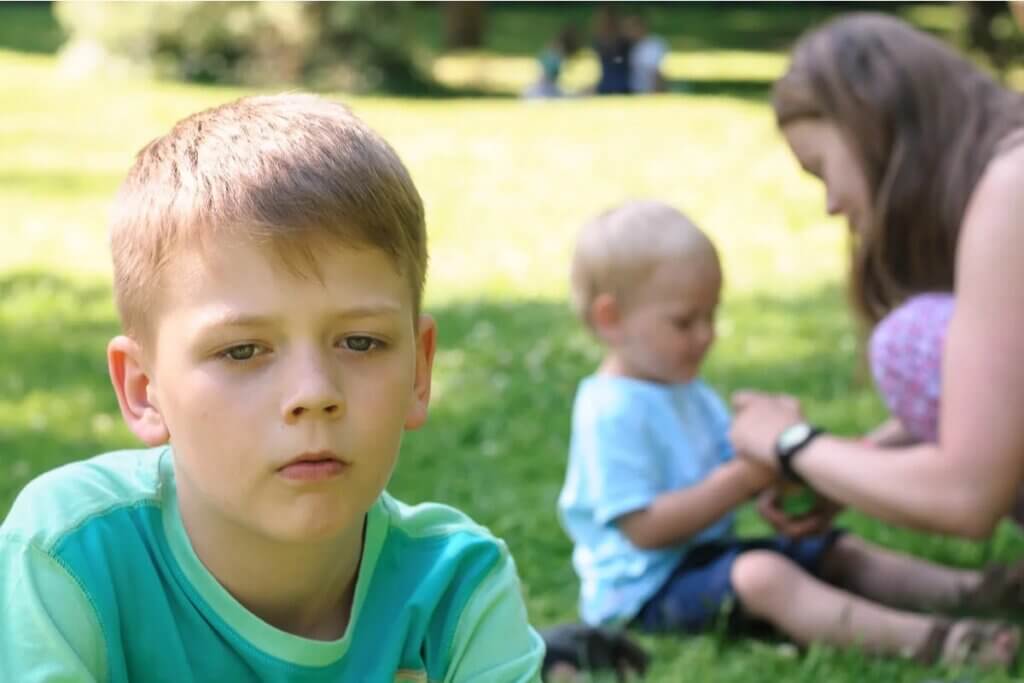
[551, 61]
[269, 259]
[646, 54]
[652, 483]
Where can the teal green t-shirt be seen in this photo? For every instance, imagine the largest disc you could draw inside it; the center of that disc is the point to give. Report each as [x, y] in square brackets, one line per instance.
[99, 582]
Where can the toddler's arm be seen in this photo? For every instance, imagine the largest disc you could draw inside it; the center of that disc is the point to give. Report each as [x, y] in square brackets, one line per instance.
[678, 515]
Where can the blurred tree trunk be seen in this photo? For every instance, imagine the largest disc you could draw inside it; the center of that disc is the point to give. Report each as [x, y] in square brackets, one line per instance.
[1017, 10]
[981, 36]
[464, 24]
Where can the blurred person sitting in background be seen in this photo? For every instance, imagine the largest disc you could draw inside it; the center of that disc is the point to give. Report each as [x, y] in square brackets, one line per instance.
[612, 47]
[645, 57]
[551, 60]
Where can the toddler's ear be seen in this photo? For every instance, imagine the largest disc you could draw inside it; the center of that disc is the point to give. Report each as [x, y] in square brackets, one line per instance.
[132, 386]
[604, 314]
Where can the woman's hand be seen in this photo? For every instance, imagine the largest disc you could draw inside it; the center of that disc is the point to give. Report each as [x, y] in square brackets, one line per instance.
[759, 420]
[817, 521]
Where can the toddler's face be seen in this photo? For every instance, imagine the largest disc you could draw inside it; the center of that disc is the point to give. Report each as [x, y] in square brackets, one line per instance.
[286, 396]
[667, 330]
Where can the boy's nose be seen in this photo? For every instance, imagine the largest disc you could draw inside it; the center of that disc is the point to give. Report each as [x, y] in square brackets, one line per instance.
[326, 407]
[314, 394]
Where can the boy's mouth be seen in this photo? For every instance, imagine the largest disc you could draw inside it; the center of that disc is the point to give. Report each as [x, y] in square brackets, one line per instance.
[313, 466]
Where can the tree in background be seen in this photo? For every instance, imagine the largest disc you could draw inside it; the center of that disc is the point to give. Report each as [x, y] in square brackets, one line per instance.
[359, 46]
[991, 31]
[464, 25]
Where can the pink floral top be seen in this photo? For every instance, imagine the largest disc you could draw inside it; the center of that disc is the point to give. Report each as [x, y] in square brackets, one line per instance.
[906, 361]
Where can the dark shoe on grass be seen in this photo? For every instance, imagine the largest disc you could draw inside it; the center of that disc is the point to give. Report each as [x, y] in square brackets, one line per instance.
[574, 648]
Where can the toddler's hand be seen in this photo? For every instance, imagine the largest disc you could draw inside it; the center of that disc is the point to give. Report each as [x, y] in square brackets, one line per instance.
[759, 420]
[817, 521]
[756, 476]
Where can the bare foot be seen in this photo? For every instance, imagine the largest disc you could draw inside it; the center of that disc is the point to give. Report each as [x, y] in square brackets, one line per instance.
[988, 644]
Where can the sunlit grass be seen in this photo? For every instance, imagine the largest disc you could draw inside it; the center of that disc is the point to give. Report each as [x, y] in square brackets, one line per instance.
[506, 185]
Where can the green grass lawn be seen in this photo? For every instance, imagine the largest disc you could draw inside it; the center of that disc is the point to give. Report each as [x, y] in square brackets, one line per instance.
[506, 185]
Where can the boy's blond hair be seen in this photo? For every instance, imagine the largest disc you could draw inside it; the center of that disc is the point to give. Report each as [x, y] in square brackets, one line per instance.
[618, 250]
[295, 171]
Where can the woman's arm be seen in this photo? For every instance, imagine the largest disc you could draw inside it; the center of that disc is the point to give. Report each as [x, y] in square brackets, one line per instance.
[890, 434]
[892, 484]
[982, 410]
[968, 481]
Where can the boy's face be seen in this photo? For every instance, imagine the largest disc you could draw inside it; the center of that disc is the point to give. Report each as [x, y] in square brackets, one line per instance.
[664, 333]
[285, 397]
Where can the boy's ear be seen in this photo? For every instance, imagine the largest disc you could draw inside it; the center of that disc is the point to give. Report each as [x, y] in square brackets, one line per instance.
[132, 386]
[426, 344]
[605, 315]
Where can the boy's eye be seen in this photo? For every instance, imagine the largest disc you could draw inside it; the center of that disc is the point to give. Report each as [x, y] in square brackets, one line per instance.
[241, 352]
[360, 343]
[683, 323]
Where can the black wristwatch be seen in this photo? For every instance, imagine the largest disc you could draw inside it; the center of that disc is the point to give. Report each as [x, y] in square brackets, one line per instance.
[791, 441]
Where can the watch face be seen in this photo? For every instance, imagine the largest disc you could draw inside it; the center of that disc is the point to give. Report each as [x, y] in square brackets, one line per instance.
[794, 435]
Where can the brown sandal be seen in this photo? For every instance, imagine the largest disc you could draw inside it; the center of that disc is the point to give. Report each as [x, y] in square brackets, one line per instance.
[1000, 591]
[988, 644]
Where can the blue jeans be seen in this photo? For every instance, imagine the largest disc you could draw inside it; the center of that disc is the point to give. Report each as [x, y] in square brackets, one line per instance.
[700, 589]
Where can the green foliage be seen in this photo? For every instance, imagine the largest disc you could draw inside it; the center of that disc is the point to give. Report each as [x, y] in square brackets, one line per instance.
[355, 46]
[29, 27]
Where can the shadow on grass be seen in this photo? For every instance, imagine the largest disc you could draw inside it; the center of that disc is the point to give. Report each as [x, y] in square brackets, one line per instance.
[756, 90]
[495, 444]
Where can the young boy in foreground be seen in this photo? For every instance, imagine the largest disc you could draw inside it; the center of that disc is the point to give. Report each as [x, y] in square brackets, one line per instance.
[652, 482]
[269, 259]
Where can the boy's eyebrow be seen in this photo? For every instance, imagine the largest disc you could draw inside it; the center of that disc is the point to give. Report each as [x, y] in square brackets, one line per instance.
[239, 319]
[687, 309]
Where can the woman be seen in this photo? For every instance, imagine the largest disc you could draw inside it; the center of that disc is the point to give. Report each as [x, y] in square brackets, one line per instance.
[924, 155]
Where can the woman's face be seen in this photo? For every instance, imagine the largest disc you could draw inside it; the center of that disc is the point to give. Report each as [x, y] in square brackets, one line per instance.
[824, 153]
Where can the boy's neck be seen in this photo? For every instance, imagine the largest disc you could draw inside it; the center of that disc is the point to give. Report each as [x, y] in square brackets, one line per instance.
[303, 589]
[613, 366]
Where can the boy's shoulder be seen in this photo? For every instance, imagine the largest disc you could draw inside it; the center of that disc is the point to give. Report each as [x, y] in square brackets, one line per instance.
[612, 394]
[447, 582]
[705, 392]
[429, 527]
[426, 551]
[609, 396]
[61, 500]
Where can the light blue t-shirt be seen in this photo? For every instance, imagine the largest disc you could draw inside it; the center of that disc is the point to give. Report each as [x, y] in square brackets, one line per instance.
[633, 440]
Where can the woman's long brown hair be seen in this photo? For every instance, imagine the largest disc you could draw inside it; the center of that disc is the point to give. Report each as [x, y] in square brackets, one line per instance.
[924, 123]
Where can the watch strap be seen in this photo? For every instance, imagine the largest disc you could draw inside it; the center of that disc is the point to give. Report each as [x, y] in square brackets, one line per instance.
[785, 456]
